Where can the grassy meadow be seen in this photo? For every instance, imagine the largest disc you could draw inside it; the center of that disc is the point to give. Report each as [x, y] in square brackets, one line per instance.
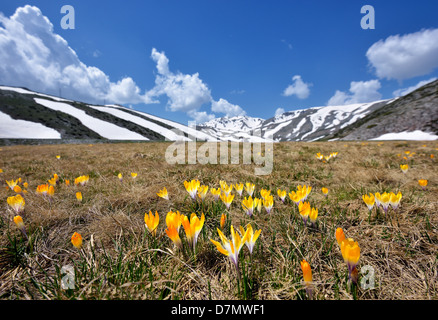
[121, 259]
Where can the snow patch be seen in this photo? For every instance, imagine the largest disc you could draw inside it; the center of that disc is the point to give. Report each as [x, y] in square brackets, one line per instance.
[22, 129]
[168, 134]
[408, 135]
[103, 128]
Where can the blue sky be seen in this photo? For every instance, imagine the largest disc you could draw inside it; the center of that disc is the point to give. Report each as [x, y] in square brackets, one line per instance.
[220, 57]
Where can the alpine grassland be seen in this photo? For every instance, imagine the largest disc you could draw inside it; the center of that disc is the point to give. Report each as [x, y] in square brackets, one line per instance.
[334, 220]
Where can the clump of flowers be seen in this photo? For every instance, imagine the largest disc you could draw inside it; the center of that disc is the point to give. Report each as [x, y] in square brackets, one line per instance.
[42, 189]
[265, 193]
[226, 188]
[301, 194]
[324, 158]
[388, 199]
[54, 180]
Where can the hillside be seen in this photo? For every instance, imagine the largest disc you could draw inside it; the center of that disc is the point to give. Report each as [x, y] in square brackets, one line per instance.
[25, 114]
[29, 115]
[417, 111]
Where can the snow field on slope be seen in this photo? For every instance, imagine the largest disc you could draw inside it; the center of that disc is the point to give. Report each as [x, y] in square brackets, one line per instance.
[186, 129]
[103, 128]
[168, 134]
[22, 129]
[408, 135]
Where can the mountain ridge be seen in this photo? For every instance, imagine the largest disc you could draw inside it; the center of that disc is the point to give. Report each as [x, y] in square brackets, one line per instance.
[27, 114]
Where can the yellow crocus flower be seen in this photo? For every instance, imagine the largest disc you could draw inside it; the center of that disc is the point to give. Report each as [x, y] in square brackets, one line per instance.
[231, 248]
[202, 192]
[369, 200]
[16, 203]
[282, 194]
[163, 194]
[251, 238]
[192, 228]
[248, 205]
[151, 222]
[216, 193]
[174, 219]
[304, 209]
[227, 199]
[422, 183]
[192, 188]
[268, 203]
[249, 187]
[76, 240]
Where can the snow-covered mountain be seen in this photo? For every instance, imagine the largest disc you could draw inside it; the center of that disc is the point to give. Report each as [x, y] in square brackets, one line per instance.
[239, 123]
[299, 125]
[318, 122]
[410, 117]
[25, 114]
[240, 128]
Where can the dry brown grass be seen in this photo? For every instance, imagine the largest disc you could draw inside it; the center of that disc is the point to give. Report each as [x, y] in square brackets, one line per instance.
[128, 264]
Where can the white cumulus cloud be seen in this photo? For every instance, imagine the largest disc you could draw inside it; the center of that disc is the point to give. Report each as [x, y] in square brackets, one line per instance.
[405, 91]
[360, 92]
[405, 56]
[298, 88]
[33, 56]
[279, 111]
[188, 93]
[200, 116]
[230, 110]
